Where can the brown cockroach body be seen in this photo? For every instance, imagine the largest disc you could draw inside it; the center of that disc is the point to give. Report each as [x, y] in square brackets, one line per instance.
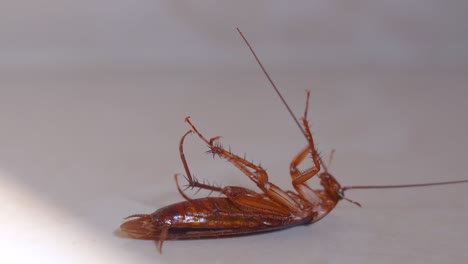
[242, 211]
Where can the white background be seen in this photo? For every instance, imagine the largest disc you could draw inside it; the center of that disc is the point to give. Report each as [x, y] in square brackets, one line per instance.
[93, 95]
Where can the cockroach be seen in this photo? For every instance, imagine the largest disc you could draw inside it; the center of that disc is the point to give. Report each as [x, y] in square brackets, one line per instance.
[241, 211]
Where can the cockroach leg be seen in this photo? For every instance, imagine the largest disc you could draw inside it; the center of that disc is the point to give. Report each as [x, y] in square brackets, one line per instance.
[300, 177]
[256, 173]
[242, 197]
[259, 176]
[162, 237]
[297, 176]
[191, 181]
[176, 179]
[182, 156]
[306, 110]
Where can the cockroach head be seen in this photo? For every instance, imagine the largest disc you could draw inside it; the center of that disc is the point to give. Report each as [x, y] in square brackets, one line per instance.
[333, 188]
[330, 184]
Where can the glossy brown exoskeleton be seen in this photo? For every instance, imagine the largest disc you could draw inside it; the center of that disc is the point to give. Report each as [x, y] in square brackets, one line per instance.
[242, 211]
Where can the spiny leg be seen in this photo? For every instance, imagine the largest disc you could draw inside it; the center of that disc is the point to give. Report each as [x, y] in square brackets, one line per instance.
[241, 196]
[260, 176]
[256, 173]
[191, 181]
[297, 176]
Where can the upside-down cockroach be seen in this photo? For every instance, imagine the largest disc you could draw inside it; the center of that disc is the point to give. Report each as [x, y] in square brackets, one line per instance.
[242, 211]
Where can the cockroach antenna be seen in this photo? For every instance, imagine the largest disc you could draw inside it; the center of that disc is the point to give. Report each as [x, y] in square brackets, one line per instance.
[281, 96]
[272, 83]
[305, 135]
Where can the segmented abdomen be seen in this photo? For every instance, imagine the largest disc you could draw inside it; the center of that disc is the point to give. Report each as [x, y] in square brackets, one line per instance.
[214, 217]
